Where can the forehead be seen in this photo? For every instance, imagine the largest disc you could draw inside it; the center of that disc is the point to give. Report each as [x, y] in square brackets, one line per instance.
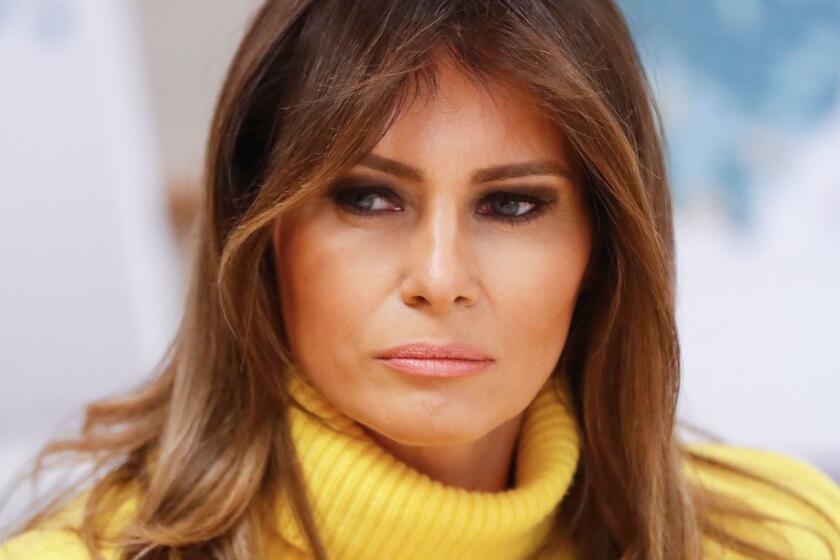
[460, 121]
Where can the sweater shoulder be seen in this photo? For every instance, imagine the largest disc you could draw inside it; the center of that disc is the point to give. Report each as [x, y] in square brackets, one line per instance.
[58, 538]
[802, 498]
[45, 544]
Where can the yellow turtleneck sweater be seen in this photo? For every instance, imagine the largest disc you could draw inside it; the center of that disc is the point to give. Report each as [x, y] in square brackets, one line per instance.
[370, 505]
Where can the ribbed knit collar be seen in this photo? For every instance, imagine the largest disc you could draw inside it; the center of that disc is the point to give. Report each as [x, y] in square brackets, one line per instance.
[369, 504]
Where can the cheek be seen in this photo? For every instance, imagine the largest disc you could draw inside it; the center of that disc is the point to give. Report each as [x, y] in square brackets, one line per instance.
[533, 289]
[330, 283]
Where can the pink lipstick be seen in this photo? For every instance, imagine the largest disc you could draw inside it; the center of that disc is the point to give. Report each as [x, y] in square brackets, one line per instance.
[431, 360]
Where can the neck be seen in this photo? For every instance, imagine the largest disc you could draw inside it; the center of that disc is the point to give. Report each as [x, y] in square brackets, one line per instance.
[485, 464]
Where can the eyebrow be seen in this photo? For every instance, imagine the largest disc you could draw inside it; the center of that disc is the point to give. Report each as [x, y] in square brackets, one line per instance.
[484, 175]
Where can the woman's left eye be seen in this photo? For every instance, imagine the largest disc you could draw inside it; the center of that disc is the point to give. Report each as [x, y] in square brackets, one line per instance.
[498, 206]
[513, 207]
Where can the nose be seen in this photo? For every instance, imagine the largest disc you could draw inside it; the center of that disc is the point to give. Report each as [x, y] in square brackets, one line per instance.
[439, 266]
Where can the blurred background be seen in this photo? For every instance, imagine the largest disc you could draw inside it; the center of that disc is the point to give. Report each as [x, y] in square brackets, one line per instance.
[104, 110]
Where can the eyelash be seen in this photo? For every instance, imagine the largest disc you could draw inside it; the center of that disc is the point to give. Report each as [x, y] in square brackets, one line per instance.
[540, 205]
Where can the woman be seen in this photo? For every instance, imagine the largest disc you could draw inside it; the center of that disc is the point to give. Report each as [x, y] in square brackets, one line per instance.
[431, 316]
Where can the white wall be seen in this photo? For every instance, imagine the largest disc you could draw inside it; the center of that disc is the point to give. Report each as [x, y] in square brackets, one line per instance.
[90, 285]
[103, 104]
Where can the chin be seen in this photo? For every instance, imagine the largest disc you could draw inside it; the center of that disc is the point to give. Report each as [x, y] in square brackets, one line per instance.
[425, 433]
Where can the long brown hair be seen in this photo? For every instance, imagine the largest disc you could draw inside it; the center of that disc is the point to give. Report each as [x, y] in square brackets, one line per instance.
[312, 87]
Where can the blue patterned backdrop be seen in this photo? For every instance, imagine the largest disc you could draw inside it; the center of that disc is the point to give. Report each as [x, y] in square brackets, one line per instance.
[739, 81]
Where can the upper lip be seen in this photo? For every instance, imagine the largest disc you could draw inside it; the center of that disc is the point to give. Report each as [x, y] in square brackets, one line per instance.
[426, 351]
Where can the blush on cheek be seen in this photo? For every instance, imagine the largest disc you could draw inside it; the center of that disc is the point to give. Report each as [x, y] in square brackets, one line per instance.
[541, 303]
[337, 289]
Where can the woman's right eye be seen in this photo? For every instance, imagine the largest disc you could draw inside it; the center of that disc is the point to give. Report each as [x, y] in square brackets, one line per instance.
[366, 201]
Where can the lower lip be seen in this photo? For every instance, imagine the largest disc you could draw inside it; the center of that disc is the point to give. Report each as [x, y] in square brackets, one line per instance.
[437, 367]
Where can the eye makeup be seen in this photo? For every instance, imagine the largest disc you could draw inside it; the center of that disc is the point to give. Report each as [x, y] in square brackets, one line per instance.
[514, 205]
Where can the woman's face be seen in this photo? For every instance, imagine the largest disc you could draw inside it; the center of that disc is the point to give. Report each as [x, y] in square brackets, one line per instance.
[430, 256]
